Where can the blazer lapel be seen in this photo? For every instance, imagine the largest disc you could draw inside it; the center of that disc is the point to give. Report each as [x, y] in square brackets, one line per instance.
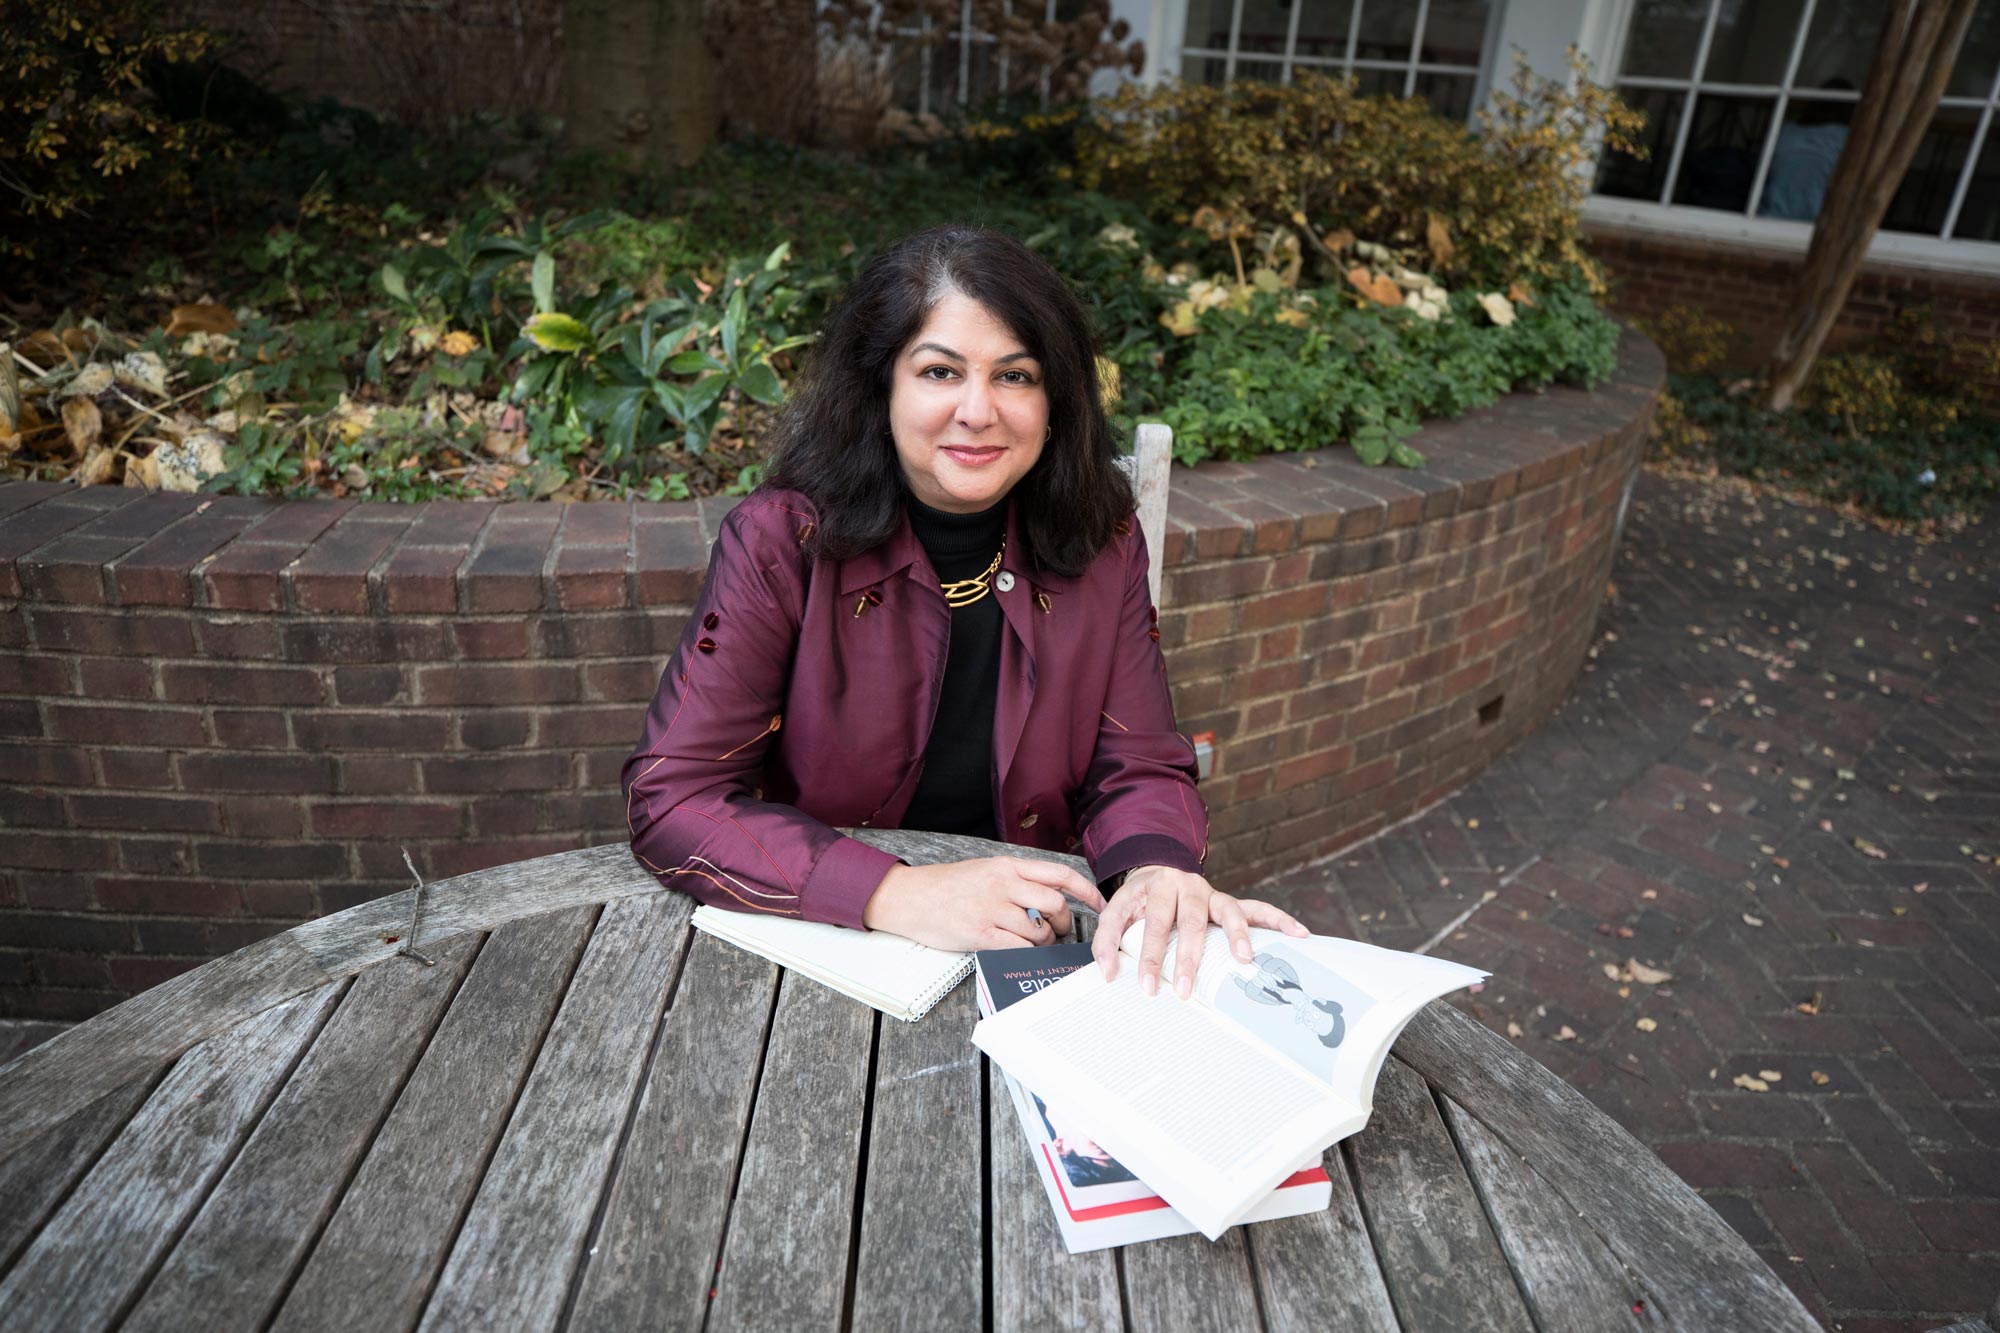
[1017, 657]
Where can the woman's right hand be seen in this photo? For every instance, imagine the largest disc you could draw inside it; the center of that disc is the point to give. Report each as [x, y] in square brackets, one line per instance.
[983, 904]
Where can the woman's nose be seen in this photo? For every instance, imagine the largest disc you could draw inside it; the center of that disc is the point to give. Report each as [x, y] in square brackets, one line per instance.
[975, 405]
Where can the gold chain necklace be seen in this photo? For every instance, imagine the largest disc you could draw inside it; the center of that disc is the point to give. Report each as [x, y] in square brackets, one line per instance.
[964, 592]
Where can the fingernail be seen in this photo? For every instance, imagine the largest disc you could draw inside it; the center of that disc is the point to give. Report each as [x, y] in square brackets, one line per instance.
[1183, 985]
[1149, 985]
[1243, 950]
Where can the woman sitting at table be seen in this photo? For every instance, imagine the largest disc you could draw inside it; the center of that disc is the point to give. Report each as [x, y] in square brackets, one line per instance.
[934, 615]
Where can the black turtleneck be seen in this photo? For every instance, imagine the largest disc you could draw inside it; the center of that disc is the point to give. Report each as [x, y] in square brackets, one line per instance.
[955, 792]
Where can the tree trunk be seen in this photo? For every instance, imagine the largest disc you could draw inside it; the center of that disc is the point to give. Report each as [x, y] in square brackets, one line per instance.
[1920, 41]
[768, 55]
[639, 80]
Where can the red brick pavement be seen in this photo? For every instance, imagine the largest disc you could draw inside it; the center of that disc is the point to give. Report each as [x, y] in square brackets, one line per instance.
[1779, 781]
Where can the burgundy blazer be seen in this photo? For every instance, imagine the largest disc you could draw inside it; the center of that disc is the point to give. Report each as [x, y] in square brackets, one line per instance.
[802, 696]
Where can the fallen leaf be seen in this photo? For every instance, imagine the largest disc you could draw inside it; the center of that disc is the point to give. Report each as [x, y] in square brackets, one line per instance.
[1750, 1084]
[1868, 848]
[142, 370]
[1439, 240]
[1773, 1075]
[142, 473]
[1650, 894]
[458, 343]
[1611, 970]
[1566, 1033]
[1921, 888]
[1648, 976]
[1820, 1078]
[96, 467]
[1749, 920]
[200, 317]
[1514, 1030]
[83, 423]
[1646, 1025]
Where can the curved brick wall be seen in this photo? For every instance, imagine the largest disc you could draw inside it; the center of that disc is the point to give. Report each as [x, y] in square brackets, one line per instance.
[221, 717]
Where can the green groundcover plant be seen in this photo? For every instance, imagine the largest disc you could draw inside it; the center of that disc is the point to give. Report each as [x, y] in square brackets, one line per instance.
[398, 324]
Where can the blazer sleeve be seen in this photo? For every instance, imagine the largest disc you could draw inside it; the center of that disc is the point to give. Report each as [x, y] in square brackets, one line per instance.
[1139, 805]
[693, 805]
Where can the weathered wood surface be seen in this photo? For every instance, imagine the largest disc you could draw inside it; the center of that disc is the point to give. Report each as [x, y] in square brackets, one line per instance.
[83, 1268]
[1186, 1284]
[924, 849]
[1572, 1283]
[1444, 1270]
[33, 1179]
[375, 1263]
[68, 1072]
[923, 1247]
[784, 1263]
[1037, 1284]
[524, 1237]
[1319, 1271]
[233, 1264]
[654, 1256]
[1705, 1274]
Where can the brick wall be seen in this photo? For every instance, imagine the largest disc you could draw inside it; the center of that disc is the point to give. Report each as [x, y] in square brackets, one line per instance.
[222, 716]
[1750, 289]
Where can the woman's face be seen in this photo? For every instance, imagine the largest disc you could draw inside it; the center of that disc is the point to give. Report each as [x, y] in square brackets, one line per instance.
[967, 408]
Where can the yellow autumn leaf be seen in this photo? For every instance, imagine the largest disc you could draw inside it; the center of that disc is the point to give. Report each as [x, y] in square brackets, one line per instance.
[458, 343]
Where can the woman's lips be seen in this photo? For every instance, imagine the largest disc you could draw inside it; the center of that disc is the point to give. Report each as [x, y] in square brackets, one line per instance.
[972, 457]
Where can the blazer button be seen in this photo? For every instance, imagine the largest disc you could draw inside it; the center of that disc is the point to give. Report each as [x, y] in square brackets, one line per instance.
[1028, 819]
[1004, 581]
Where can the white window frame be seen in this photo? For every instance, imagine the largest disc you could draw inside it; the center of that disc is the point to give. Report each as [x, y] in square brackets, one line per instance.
[1938, 251]
[1411, 67]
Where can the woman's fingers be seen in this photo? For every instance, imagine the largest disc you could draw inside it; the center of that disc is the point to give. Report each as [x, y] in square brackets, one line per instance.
[1111, 926]
[1260, 913]
[1228, 913]
[1060, 877]
[1193, 924]
[1160, 908]
[1054, 908]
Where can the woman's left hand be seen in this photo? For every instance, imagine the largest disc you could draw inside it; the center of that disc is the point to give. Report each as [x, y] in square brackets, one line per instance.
[1169, 899]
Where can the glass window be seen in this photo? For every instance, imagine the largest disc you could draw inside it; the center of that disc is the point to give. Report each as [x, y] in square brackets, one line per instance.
[1725, 139]
[1736, 68]
[1752, 41]
[1628, 177]
[1286, 38]
[1924, 197]
[1323, 28]
[1664, 39]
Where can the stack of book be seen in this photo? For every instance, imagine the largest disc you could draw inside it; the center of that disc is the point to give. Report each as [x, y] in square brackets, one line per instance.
[1153, 1117]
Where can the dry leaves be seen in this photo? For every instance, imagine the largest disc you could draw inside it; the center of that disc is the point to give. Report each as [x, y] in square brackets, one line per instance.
[83, 423]
[1646, 1025]
[1821, 1079]
[1379, 288]
[200, 317]
[1749, 920]
[1439, 240]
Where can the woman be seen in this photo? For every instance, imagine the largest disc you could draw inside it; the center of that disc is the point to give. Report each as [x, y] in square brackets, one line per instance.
[934, 614]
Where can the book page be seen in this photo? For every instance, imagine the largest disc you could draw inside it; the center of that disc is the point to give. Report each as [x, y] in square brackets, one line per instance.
[1330, 1006]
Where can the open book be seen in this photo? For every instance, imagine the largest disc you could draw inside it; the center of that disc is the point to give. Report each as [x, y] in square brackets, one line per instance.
[1096, 1200]
[1214, 1100]
[900, 977]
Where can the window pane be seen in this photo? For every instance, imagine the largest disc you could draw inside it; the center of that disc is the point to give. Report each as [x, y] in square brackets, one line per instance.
[1752, 42]
[1450, 95]
[1979, 216]
[1323, 27]
[1839, 44]
[1208, 23]
[1203, 69]
[1261, 71]
[1809, 143]
[1925, 194]
[1720, 162]
[1627, 177]
[1663, 38]
[1264, 25]
[1973, 75]
[1380, 82]
[1386, 29]
[1455, 32]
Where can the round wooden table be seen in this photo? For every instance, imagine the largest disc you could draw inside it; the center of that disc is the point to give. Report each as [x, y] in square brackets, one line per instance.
[582, 1113]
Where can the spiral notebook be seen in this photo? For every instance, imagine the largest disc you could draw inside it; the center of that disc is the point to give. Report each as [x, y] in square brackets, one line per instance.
[898, 976]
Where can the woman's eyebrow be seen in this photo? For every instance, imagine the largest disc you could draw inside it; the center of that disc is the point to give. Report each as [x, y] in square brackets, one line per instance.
[944, 351]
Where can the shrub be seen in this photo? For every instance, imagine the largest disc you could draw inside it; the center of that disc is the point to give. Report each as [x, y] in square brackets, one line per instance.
[75, 109]
[1493, 207]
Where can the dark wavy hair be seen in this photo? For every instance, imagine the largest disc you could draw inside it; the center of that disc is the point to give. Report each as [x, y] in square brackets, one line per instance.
[832, 438]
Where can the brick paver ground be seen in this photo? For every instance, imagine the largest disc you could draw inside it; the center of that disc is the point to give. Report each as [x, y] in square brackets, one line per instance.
[1778, 781]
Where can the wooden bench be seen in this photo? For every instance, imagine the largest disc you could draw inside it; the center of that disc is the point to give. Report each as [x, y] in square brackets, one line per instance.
[581, 1113]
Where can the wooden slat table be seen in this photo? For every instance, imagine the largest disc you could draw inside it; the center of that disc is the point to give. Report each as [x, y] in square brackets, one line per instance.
[586, 1115]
